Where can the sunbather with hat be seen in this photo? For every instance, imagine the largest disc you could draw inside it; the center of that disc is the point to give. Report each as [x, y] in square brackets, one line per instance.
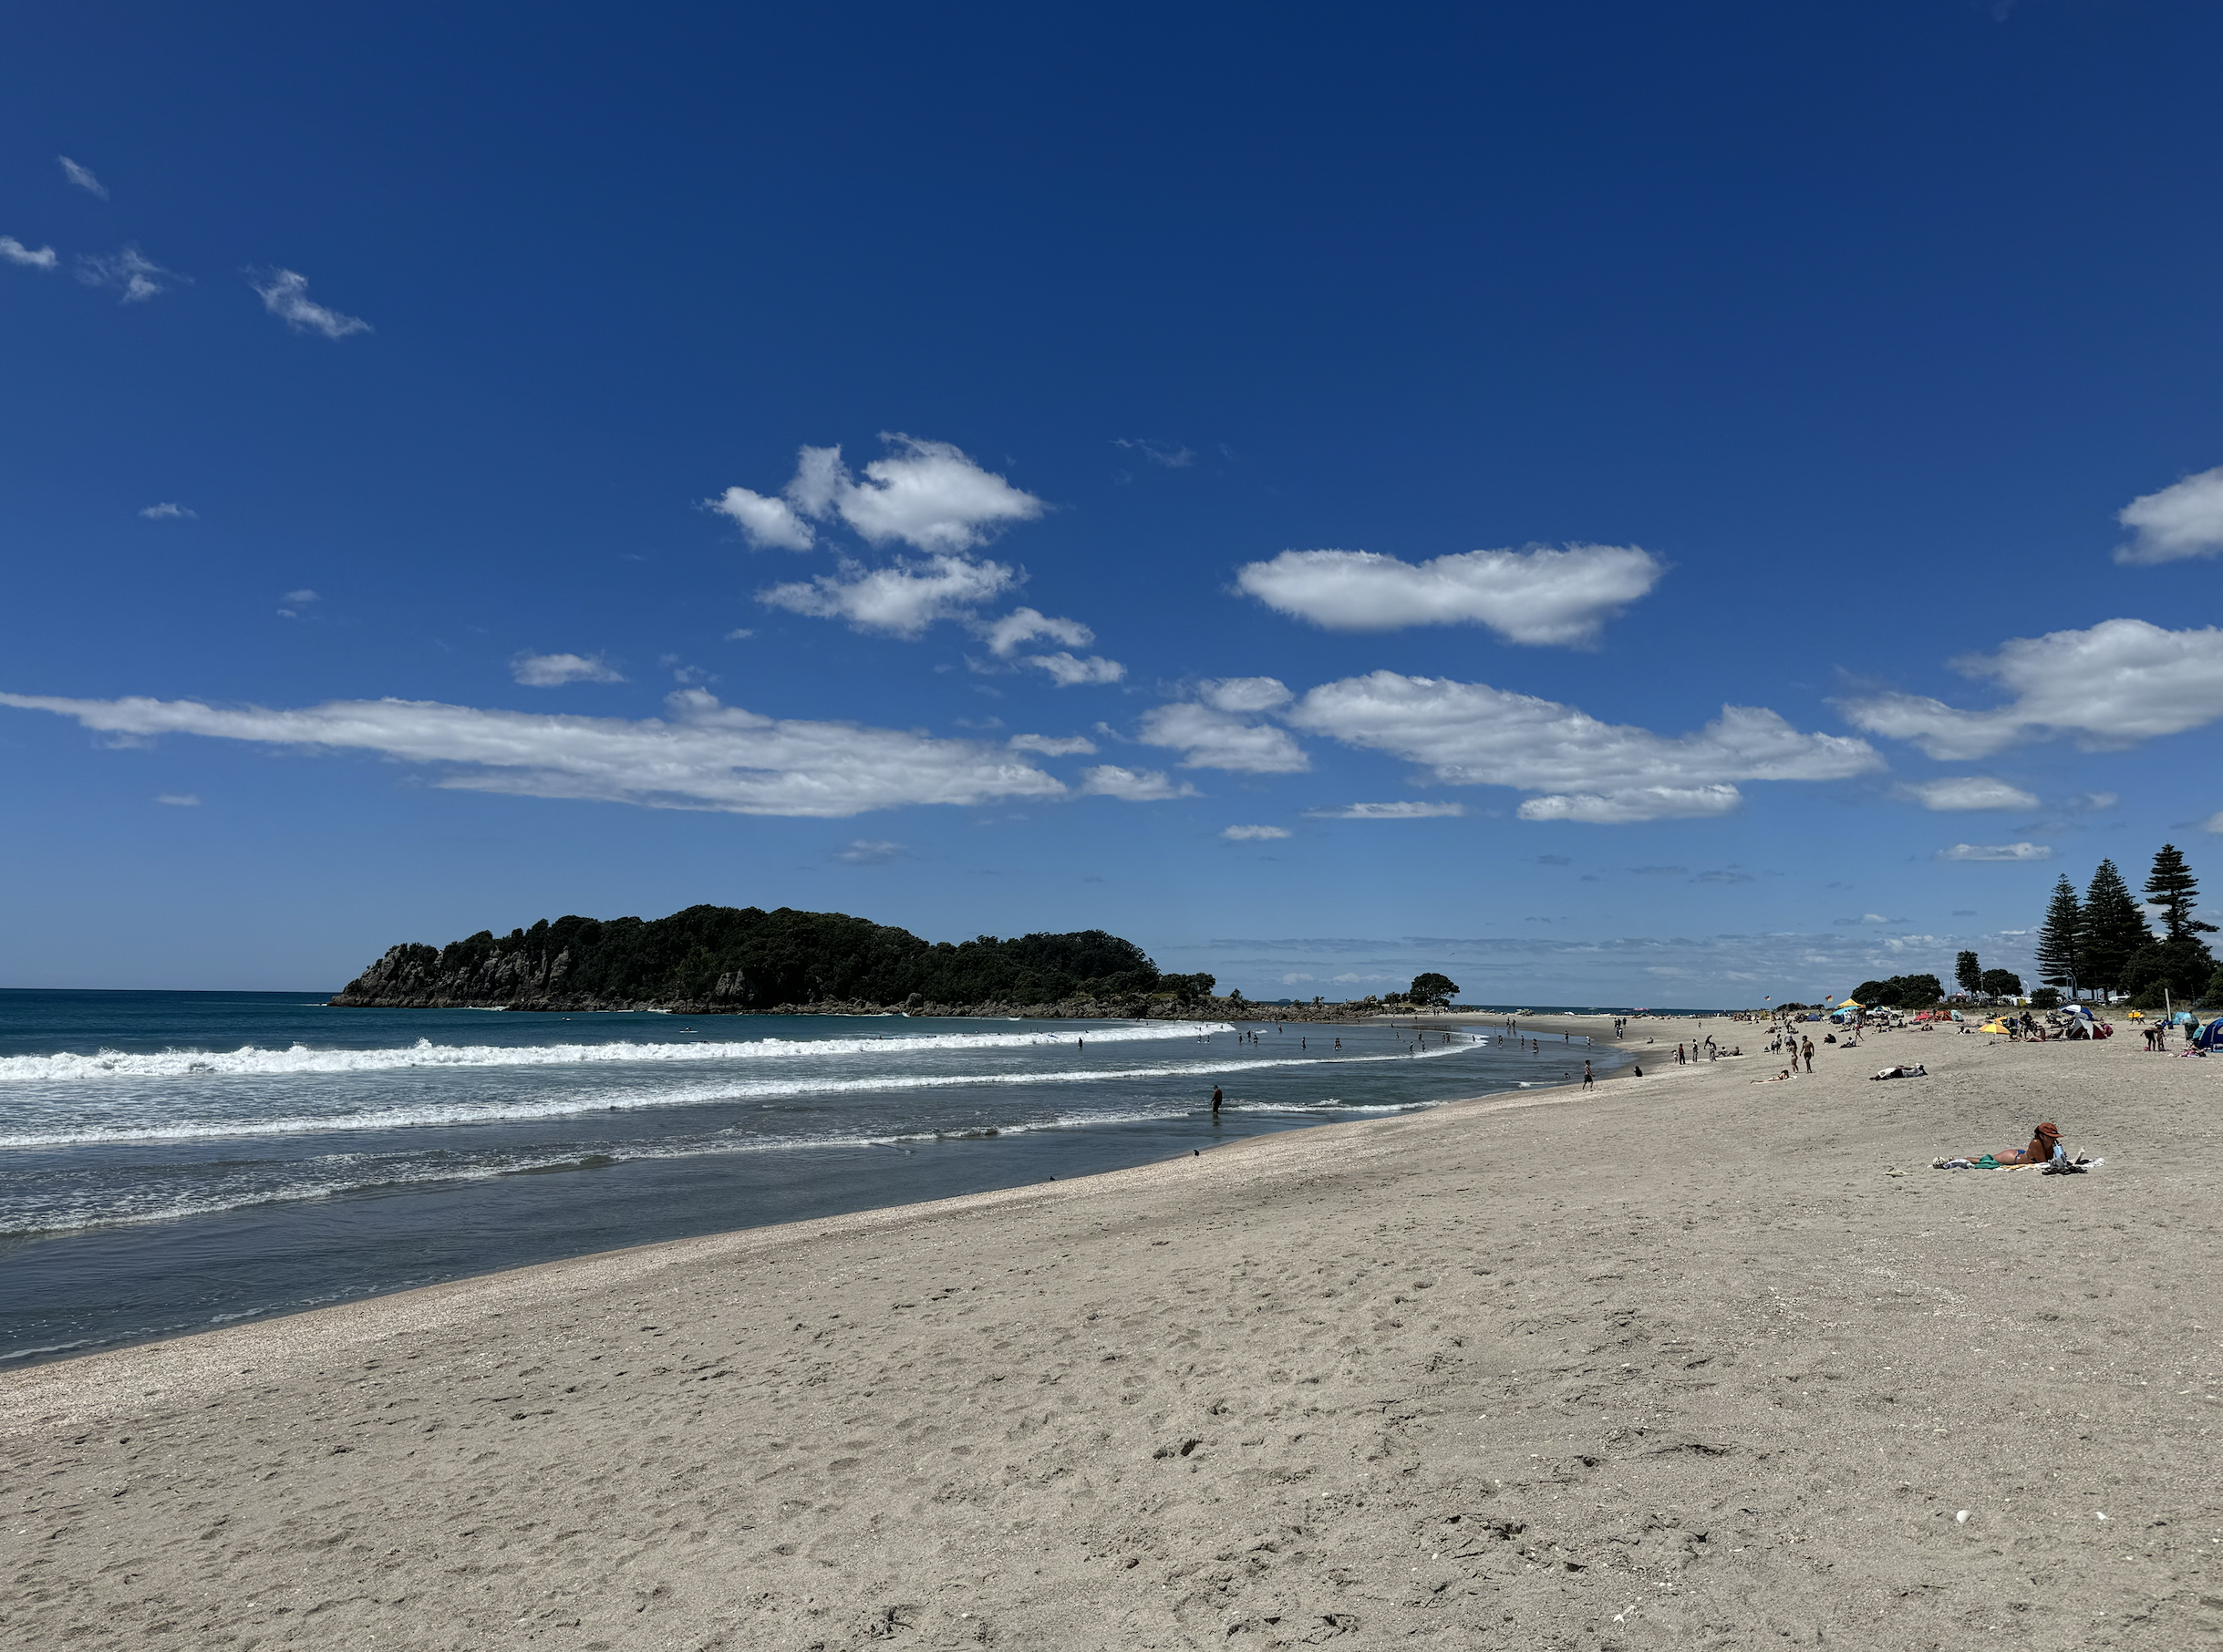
[2044, 1147]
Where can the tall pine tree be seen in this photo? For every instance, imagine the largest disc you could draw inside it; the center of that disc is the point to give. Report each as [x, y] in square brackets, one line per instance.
[2061, 937]
[2114, 929]
[1968, 972]
[2172, 887]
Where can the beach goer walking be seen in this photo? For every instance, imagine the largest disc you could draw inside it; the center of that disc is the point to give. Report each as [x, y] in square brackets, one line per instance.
[1679, 1054]
[1588, 1079]
[1808, 1053]
[1215, 1101]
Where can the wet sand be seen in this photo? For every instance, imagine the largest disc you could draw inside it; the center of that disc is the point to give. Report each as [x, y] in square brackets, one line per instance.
[1677, 1363]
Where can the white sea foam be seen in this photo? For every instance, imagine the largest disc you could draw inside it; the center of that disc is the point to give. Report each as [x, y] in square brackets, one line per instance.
[340, 1175]
[466, 1112]
[425, 1054]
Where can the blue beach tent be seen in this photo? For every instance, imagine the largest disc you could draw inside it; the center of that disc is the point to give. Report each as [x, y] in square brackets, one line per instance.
[2210, 1035]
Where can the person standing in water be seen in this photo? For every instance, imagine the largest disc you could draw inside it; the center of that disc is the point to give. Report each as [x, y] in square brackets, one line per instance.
[1216, 1103]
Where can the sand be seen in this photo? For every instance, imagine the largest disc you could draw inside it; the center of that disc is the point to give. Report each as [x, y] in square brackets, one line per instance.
[1677, 1363]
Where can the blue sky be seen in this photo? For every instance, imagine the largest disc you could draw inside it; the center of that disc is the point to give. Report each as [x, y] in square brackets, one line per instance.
[1297, 486]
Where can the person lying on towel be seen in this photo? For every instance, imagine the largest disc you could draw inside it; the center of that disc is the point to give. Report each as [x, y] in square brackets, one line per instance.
[2043, 1146]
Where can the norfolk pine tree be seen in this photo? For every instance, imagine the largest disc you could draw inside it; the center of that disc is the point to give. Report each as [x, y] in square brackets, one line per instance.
[2114, 929]
[2059, 937]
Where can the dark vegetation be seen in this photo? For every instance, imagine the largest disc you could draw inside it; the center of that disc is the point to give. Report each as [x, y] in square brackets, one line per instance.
[724, 957]
[2104, 944]
[1900, 992]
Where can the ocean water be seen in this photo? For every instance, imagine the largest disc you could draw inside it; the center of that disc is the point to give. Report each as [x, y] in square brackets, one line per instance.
[171, 1162]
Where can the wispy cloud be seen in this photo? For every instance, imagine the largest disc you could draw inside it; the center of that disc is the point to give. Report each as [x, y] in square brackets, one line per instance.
[1968, 793]
[82, 176]
[1172, 456]
[1254, 834]
[302, 597]
[1539, 596]
[1216, 729]
[179, 799]
[868, 852]
[702, 755]
[168, 510]
[901, 600]
[1470, 734]
[2121, 682]
[1997, 852]
[2181, 520]
[1401, 812]
[129, 272]
[554, 670]
[1069, 672]
[928, 494]
[285, 294]
[1131, 785]
[1070, 745]
[1023, 625]
[13, 250]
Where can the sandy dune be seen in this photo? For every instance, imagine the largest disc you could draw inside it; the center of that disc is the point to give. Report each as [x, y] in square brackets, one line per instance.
[1677, 1364]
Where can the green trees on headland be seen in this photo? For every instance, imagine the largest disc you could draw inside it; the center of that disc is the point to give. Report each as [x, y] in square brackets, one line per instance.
[724, 957]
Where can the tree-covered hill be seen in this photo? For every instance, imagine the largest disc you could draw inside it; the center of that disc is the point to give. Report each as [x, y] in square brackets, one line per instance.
[710, 958]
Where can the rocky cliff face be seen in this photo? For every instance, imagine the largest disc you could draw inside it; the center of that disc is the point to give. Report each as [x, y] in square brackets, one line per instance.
[412, 978]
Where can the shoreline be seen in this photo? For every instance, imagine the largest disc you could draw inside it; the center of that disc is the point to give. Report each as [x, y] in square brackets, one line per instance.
[1087, 1150]
[1719, 1358]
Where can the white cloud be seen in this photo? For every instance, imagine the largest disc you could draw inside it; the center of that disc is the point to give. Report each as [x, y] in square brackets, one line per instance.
[129, 272]
[1244, 693]
[741, 636]
[2183, 520]
[1634, 804]
[902, 599]
[1968, 793]
[1992, 851]
[1211, 738]
[13, 250]
[1025, 625]
[1469, 734]
[1073, 745]
[554, 670]
[1388, 812]
[302, 598]
[928, 494]
[179, 799]
[2121, 682]
[702, 756]
[2090, 802]
[286, 294]
[765, 521]
[1069, 672]
[1131, 785]
[1254, 834]
[2214, 823]
[1526, 596]
[868, 852]
[168, 510]
[82, 176]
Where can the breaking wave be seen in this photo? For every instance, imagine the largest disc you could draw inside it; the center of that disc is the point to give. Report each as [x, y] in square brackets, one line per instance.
[424, 1054]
